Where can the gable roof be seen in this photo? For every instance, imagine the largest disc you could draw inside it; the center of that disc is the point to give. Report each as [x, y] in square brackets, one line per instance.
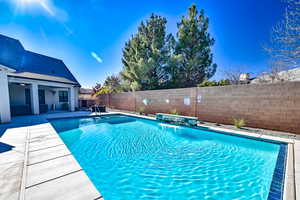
[11, 52]
[13, 55]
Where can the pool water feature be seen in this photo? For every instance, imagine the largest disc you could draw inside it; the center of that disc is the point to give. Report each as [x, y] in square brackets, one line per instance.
[133, 158]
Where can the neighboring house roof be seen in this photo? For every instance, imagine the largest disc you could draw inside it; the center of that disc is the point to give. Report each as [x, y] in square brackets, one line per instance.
[86, 94]
[287, 75]
[32, 65]
[87, 97]
[85, 91]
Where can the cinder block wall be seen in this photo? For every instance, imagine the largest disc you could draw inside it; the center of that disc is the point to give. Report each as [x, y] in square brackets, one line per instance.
[121, 101]
[166, 100]
[269, 106]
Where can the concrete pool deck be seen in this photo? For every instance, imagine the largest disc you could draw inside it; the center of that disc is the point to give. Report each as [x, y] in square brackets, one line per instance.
[36, 164]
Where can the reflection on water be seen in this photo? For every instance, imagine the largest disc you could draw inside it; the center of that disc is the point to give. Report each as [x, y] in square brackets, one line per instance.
[131, 158]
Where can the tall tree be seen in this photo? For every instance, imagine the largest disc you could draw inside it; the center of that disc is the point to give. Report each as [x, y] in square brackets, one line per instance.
[113, 82]
[145, 55]
[193, 60]
[96, 88]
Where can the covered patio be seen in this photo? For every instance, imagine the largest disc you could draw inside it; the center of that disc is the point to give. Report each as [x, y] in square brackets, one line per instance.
[32, 83]
[27, 96]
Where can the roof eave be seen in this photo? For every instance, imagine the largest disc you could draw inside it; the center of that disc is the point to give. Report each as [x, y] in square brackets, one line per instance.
[74, 83]
[8, 69]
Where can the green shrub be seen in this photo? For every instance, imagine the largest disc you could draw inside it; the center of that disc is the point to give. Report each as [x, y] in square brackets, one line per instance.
[239, 123]
[141, 110]
[214, 83]
[174, 112]
[224, 82]
[105, 90]
[207, 83]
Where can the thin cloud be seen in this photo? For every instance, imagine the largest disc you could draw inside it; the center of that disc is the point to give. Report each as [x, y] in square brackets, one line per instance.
[47, 8]
[97, 58]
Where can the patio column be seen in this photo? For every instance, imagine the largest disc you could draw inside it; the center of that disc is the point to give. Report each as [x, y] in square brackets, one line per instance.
[72, 99]
[4, 103]
[34, 93]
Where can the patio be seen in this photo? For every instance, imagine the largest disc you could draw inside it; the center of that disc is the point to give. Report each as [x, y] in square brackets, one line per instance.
[30, 98]
[35, 163]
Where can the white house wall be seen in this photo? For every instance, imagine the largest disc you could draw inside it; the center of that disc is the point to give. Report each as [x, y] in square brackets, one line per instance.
[49, 98]
[56, 99]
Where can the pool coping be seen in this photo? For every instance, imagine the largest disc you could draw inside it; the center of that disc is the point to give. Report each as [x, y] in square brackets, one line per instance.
[35, 186]
[289, 177]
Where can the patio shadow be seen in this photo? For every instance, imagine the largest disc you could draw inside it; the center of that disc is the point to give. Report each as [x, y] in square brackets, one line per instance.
[22, 121]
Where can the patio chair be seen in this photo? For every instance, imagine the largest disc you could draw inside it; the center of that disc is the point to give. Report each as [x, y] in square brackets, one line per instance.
[97, 108]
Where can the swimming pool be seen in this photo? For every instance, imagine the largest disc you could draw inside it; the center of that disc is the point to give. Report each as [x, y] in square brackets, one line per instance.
[133, 158]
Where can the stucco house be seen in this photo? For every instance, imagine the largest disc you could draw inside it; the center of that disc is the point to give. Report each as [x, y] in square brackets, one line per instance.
[282, 76]
[32, 83]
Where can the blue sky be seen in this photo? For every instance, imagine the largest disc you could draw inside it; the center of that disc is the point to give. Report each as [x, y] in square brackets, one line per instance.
[89, 34]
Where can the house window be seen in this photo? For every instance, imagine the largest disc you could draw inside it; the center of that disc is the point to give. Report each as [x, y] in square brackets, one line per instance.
[63, 96]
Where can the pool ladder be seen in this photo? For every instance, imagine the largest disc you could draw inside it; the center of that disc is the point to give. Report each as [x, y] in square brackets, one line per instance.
[97, 110]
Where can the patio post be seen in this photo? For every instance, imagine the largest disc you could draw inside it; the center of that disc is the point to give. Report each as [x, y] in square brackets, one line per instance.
[4, 103]
[72, 99]
[35, 99]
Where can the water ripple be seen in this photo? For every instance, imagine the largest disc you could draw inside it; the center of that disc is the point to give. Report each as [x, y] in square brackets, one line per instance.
[140, 159]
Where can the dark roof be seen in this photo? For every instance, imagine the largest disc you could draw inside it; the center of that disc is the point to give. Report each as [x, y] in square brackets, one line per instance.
[11, 52]
[13, 55]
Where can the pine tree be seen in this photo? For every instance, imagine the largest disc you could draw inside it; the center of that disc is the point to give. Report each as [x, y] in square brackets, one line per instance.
[193, 60]
[113, 82]
[154, 60]
[145, 55]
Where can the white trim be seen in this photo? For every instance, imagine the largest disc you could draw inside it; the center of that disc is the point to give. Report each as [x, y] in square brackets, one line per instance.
[4, 103]
[44, 83]
[10, 70]
[34, 94]
[72, 99]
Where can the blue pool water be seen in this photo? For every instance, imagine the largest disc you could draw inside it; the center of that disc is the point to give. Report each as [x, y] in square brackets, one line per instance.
[132, 158]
